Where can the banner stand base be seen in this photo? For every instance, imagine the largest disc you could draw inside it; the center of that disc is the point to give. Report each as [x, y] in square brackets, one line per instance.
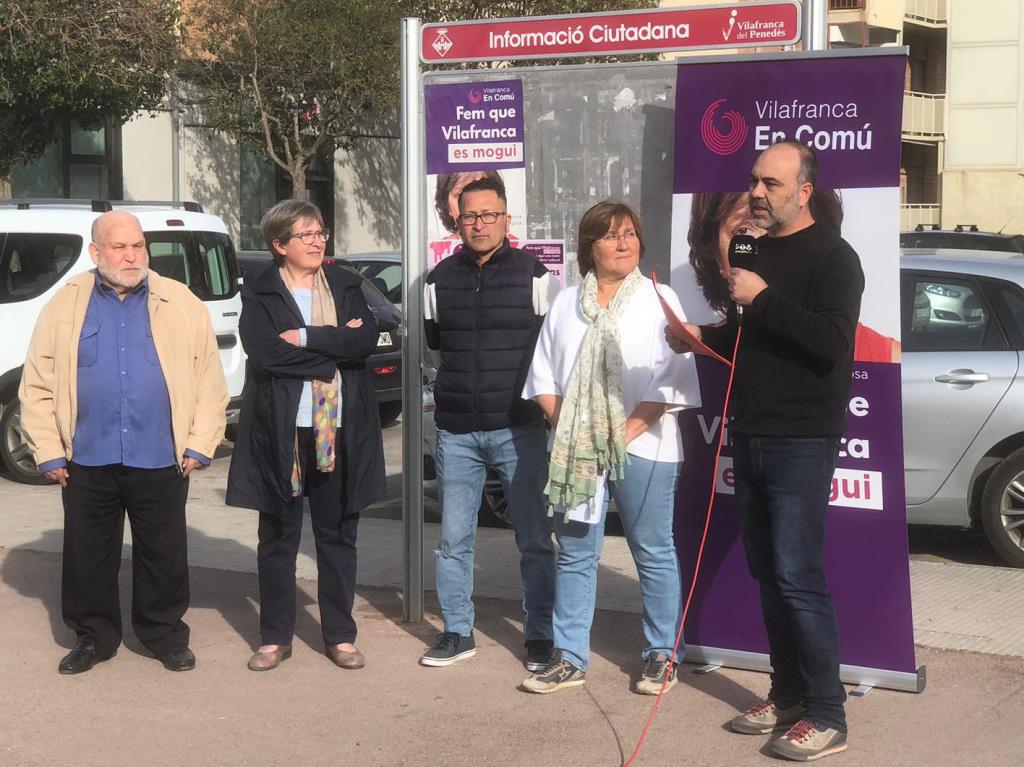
[861, 690]
[715, 657]
[707, 669]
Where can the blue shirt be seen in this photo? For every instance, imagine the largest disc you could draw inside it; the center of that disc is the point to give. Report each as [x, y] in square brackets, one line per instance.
[304, 300]
[124, 411]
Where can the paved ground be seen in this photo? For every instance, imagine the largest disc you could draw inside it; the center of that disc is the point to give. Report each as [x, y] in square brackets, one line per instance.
[130, 711]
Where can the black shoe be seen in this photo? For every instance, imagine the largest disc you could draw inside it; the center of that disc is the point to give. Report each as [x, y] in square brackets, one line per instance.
[177, 659]
[82, 658]
[539, 653]
[448, 649]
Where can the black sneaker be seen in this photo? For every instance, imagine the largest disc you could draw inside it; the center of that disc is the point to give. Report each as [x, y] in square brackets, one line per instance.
[659, 672]
[558, 675]
[448, 649]
[539, 653]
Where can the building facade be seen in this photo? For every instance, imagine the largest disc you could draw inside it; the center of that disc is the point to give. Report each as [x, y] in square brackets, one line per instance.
[359, 191]
[963, 104]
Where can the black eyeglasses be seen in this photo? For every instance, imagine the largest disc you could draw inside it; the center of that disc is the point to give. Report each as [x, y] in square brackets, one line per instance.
[468, 219]
[307, 238]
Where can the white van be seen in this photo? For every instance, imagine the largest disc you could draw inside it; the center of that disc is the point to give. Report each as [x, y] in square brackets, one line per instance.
[43, 242]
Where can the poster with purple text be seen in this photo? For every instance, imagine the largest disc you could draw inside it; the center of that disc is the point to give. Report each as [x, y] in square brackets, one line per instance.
[849, 109]
[473, 130]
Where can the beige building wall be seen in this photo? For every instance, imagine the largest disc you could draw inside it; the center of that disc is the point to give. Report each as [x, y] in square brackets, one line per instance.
[368, 197]
[367, 180]
[146, 157]
[981, 181]
[210, 165]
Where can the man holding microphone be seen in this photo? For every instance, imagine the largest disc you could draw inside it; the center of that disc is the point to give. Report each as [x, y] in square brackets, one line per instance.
[800, 307]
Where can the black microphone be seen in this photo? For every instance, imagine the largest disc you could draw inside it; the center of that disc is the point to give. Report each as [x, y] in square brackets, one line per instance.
[742, 255]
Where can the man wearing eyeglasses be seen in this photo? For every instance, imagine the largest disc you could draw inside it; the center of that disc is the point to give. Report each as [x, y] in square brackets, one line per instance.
[484, 306]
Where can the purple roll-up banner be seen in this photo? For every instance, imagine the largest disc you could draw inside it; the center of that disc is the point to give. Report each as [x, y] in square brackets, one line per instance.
[849, 109]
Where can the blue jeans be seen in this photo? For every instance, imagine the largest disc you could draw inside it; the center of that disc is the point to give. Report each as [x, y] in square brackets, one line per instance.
[644, 498]
[519, 456]
[782, 491]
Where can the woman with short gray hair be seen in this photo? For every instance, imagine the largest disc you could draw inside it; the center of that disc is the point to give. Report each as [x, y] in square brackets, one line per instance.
[308, 427]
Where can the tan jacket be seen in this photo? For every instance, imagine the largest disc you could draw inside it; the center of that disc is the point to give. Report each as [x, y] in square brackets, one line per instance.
[185, 346]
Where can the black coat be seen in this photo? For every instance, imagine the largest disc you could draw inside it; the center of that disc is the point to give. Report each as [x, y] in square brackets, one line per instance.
[261, 465]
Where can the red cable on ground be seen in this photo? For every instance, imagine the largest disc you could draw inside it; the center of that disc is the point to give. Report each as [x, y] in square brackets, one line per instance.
[700, 551]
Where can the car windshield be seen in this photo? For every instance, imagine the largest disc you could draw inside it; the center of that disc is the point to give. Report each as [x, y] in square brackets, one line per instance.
[386, 276]
[963, 241]
[31, 263]
[205, 261]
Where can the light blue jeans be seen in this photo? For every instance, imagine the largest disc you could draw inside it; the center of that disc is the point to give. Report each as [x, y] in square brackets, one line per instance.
[644, 498]
[519, 456]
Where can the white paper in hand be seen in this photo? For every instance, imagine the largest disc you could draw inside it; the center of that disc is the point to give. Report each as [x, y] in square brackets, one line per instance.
[591, 511]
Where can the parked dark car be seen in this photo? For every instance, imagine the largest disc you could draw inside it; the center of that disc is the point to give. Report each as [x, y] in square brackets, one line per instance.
[386, 363]
[383, 270]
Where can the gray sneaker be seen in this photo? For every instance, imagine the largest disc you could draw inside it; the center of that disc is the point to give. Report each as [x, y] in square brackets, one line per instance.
[765, 717]
[448, 649]
[659, 672]
[560, 674]
[806, 741]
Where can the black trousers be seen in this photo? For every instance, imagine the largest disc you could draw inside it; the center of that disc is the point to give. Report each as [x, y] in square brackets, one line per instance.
[95, 501]
[334, 531]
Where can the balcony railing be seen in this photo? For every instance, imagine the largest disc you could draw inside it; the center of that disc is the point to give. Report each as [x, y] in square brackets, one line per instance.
[925, 215]
[923, 115]
[927, 11]
[846, 5]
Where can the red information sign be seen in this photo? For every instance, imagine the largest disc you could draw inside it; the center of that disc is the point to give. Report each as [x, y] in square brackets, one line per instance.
[743, 25]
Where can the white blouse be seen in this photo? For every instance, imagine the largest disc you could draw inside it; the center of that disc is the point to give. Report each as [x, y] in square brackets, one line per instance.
[652, 372]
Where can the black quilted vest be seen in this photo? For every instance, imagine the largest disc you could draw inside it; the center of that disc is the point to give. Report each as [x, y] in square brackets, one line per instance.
[488, 329]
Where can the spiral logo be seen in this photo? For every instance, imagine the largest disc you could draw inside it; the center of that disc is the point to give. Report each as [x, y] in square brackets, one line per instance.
[723, 143]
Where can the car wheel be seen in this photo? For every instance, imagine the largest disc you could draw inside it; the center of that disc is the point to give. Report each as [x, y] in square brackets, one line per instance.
[14, 448]
[494, 511]
[389, 411]
[1002, 509]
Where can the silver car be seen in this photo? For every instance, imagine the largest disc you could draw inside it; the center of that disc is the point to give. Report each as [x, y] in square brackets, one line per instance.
[963, 400]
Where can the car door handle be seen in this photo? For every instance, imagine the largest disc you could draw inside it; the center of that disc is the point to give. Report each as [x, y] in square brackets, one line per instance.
[962, 377]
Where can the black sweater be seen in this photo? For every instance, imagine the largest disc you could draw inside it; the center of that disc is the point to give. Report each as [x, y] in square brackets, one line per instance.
[796, 354]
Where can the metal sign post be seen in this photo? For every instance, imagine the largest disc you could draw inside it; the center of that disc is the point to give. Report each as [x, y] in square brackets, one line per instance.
[413, 250]
[815, 23]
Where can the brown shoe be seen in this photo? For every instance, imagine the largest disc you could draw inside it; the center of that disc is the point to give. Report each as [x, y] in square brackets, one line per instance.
[345, 659]
[264, 661]
[806, 741]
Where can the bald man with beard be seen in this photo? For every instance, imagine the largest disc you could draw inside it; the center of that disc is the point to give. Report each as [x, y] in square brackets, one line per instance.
[122, 398]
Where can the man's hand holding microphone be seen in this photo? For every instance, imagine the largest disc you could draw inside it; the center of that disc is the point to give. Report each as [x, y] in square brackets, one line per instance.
[744, 286]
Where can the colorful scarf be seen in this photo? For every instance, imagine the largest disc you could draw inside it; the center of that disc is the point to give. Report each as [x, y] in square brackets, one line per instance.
[325, 394]
[591, 434]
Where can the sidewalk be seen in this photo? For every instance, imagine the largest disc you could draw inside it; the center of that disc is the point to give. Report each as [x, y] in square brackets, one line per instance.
[130, 711]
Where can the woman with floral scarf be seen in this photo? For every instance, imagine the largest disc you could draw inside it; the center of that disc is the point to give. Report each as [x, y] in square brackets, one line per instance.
[308, 427]
[610, 387]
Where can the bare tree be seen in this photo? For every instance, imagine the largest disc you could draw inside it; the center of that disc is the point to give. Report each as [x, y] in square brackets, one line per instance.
[293, 77]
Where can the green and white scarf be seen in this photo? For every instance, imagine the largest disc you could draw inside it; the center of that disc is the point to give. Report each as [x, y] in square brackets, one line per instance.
[591, 435]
